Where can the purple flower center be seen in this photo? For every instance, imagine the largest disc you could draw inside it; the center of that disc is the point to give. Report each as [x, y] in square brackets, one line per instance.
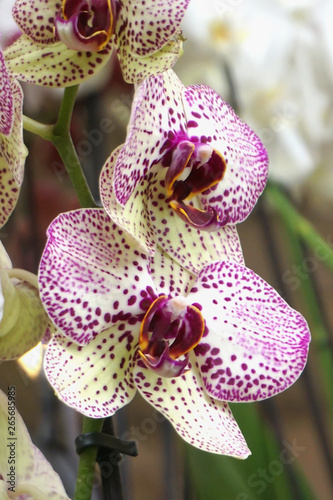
[86, 24]
[170, 329]
[194, 168]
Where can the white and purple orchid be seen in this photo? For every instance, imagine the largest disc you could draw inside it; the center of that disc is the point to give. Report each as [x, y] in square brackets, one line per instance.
[65, 42]
[28, 475]
[186, 150]
[129, 320]
[12, 149]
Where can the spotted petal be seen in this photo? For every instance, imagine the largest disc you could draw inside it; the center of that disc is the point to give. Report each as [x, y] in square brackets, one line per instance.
[210, 117]
[190, 247]
[36, 19]
[149, 218]
[256, 345]
[137, 68]
[91, 274]
[95, 379]
[132, 217]
[12, 158]
[146, 28]
[6, 99]
[34, 476]
[148, 40]
[169, 277]
[201, 421]
[157, 110]
[53, 66]
[198, 116]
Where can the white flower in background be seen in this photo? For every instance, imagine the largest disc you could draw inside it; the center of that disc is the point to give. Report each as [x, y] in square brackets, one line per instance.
[280, 59]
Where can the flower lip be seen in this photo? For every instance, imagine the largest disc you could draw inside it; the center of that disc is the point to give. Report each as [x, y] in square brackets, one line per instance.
[170, 329]
[86, 25]
[194, 169]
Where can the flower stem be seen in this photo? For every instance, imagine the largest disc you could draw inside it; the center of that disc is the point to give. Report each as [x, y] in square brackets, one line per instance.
[86, 472]
[66, 110]
[59, 135]
[41, 129]
[300, 225]
[62, 140]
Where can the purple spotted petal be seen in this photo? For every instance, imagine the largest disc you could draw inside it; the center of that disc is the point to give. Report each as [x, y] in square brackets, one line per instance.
[36, 18]
[191, 247]
[201, 421]
[6, 99]
[53, 66]
[146, 28]
[157, 112]
[133, 216]
[210, 117]
[91, 274]
[136, 69]
[95, 379]
[12, 158]
[148, 40]
[256, 345]
[148, 217]
[166, 114]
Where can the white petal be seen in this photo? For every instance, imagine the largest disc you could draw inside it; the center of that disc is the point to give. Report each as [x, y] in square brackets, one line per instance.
[256, 345]
[91, 274]
[95, 379]
[201, 421]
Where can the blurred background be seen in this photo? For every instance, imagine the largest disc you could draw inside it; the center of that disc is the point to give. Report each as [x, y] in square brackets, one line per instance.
[273, 62]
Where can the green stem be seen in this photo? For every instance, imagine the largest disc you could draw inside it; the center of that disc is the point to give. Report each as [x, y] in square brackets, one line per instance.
[62, 140]
[59, 135]
[66, 110]
[86, 472]
[45, 131]
[322, 250]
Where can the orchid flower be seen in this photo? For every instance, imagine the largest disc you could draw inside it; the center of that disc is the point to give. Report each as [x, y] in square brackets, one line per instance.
[189, 343]
[23, 321]
[24, 471]
[65, 42]
[189, 246]
[186, 150]
[12, 149]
